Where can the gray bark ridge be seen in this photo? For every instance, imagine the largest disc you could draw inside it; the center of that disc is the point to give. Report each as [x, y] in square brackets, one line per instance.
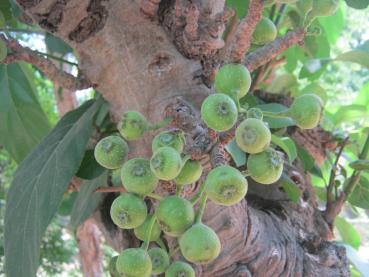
[136, 66]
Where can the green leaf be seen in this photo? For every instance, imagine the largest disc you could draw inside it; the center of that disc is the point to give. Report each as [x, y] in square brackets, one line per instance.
[275, 123]
[360, 196]
[333, 25]
[360, 55]
[358, 4]
[321, 193]
[291, 189]
[287, 145]
[67, 203]
[240, 7]
[350, 113]
[363, 96]
[348, 232]
[23, 123]
[305, 157]
[238, 156]
[316, 89]
[87, 201]
[89, 168]
[57, 45]
[38, 187]
[360, 165]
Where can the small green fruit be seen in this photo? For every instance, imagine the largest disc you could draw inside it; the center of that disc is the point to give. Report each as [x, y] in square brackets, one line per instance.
[200, 244]
[265, 32]
[253, 136]
[190, 173]
[233, 78]
[128, 211]
[133, 125]
[174, 138]
[137, 176]
[306, 110]
[113, 267]
[265, 167]
[159, 259]
[134, 262]
[219, 112]
[111, 151]
[3, 50]
[180, 269]
[225, 185]
[324, 8]
[166, 163]
[141, 232]
[175, 215]
[255, 113]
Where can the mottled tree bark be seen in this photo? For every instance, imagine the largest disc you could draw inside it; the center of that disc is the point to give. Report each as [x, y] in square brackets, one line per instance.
[143, 61]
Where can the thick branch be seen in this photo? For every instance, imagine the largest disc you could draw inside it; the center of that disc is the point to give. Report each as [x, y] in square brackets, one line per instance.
[63, 79]
[245, 30]
[270, 51]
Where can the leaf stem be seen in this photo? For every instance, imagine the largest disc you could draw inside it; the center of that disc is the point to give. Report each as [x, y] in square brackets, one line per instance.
[198, 196]
[201, 210]
[151, 226]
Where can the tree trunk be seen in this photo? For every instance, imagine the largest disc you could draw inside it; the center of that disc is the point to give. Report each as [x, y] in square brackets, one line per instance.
[144, 56]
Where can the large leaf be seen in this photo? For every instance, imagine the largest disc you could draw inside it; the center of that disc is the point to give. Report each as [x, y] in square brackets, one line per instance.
[348, 232]
[287, 145]
[333, 25]
[89, 168]
[87, 201]
[56, 45]
[22, 122]
[360, 196]
[38, 187]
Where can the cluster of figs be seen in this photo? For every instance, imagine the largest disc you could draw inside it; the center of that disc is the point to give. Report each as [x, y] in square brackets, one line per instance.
[175, 215]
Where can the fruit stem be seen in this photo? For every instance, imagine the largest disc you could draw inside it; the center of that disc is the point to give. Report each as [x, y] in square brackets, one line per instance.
[179, 190]
[155, 196]
[165, 122]
[198, 196]
[160, 242]
[146, 243]
[201, 210]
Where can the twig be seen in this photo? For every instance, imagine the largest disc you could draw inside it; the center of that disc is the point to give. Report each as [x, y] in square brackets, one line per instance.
[246, 28]
[230, 36]
[271, 50]
[63, 79]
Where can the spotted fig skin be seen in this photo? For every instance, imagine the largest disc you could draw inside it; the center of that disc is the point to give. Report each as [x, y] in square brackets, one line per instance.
[166, 163]
[219, 112]
[128, 211]
[111, 151]
[233, 79]
[175, 215]
[200, 244]
[225, 185]
[265, 167]
[180, 269]
[253, 136]
[134, 262]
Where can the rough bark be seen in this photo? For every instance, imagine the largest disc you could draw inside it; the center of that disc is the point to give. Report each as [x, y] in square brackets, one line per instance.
[134, 62]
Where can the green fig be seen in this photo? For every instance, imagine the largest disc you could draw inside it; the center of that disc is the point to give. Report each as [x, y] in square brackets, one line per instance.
[173, 138]
[134, 262]
[111, 151]
[166, 163]
[180, 269]
[190, 173]
[159, 259]
[265, 32]
[133, 125]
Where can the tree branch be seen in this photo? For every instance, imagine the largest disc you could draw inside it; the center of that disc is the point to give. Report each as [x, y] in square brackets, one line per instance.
[270, 51]
[63, 79]
[245, 30]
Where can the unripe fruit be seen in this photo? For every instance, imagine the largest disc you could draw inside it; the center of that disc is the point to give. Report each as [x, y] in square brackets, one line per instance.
[113, 267]
[166, 163]
[159, 259]
[134, 262]
[253, 136]
[255, 113]
[233, 78]
[219, 112]
[137, 176]
[180, 269]
[225, 185]
[324, 7]
[200, 244]
[190, 173]
[265, 32]
[306, 110]
[265, 167]
[111, 151]
[175, 215]
[128, 211]
[133, 125]
[142, 231]
[3, 50]
[174, 138]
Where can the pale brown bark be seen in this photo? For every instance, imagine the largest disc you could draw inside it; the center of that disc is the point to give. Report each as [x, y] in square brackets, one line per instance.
[136, 66]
